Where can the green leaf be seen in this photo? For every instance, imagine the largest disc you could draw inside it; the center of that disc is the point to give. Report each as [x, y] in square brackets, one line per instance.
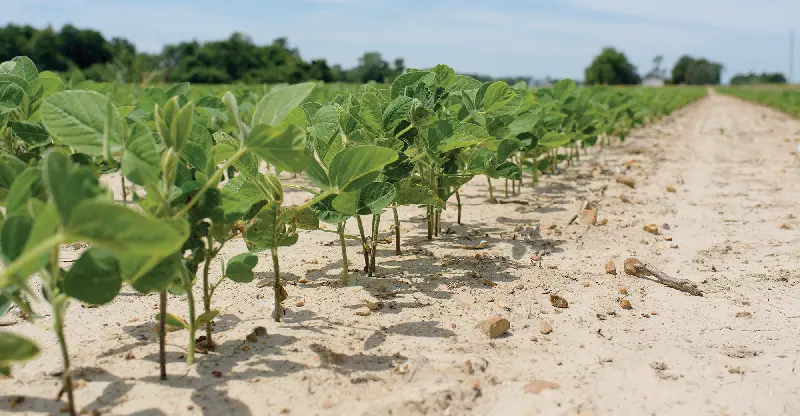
[26, 186]
[14, 235]
[282, 146]
[240, 267]
[11, 96]
[32, 133]
[553, 139]
[508, 170]
[16, 348]
[95, 278]
[44, 227]
[317, 175]
[267, 232]
[198, 148]
[355, 167]
[178, 89]
[324, 123]
[173, 320]
[563, 88]
[500, 99]
[464, 136]
[10, 168]
[25, 69]
[66, 183]
[372, 199]
[406, 80]
[77, 119]
[462, 83]
[181, 125]
[148, 274]
[327, 213]
[123, 230]
[141, 162]
[397, 111]
[481, 161]
[206, 318]
[506, 148]
[276, 105]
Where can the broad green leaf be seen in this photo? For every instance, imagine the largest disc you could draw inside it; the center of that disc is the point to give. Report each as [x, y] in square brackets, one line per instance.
[95, 278]
[240, 267]
[506, 148]
[44, 227]
[32, 133]
[523, 123]
[266, 231]
[26, 186]
[317, 175]
[371, 199]
[500, 99]
[508, 170]
[406, 80]
[14, 235]
[396, 111]
[563, 88]
[324, 123]
[11, 96]
[10, 168]
[552, 139]
[149, 274]
[78, 119]
[173, 320]
[213, 107]
[275, 106]
[67, 183]
[123, 230]
[327, 213]
[178, 89]
[419, 115]
[355, 167]
[282, 146]
[481, 161]
[25, 69]
[141, 162]
[181, 125]
[464, 136]
[16, 348]
[462, 83]
[197, 150]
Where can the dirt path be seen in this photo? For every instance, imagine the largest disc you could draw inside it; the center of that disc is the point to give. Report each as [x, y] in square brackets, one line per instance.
[734, 351]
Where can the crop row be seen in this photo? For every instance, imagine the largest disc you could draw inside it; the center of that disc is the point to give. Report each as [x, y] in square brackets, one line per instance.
[784, 99]
[209, 166]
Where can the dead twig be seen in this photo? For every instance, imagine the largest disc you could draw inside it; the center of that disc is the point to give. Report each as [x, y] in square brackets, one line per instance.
[584, 205]
[637, 268]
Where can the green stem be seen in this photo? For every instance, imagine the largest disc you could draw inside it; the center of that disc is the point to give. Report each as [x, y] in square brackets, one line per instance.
[376, 221]
[162, 333]
[396, 232]
[345, 272]
[363, 243]
[506, 188]
[404, 131]
[207, 290]
[187, 285]
[429, 216]
[458, 201]
[491, 191]
[59, 304]
[277, 284]
[124, 191]
[437, 223]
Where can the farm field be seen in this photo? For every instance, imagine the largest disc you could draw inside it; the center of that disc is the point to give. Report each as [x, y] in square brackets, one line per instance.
[706, 194]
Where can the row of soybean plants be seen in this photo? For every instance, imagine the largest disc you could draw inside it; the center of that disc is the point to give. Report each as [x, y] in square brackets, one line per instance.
[210, 166]
[783, 98]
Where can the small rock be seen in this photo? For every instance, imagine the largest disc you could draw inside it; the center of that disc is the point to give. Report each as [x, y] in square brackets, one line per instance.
[631, 266]
[623, 291]
[673, 246]
[251, 337]
[786, 227]
[625, 180]
[744, 315]
[624, 199]
[468, 367]
[299, 304]
[373, 306]
[671, 188]
[651, 228]
[302, 280]
[536, 386]
[494, 327]
[625, 304]
[283, 295]
[558, 301]
[260, 331]
[363, 311]
[611, 268]
[489, 283]
[668, 238]
[604, 221]
[589, 217]
[545, 327]
[586, 284]
[665, 226]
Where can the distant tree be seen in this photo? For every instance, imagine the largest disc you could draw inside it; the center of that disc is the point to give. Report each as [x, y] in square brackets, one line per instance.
[689, 70]
[613, 68]
[763, 78]
[657, 71]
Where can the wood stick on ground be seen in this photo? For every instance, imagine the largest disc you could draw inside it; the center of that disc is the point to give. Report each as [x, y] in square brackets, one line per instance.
[637, 268]
[583, 206]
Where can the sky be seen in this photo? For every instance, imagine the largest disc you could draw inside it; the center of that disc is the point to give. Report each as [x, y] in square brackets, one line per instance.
[536, 38]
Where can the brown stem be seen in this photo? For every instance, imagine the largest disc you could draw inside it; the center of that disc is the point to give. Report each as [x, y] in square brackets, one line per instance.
[162, 333]
[396, 232]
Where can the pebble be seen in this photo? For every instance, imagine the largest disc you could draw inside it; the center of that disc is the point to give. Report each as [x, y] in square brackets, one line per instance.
[536, 386]
[611, 268]
[545, 327]
[373, 306]
[630, 266]
[363, 311]
[651, 228]
[625, 180]
[623, 291]
[260, 331]
[558, 301]
[671, 188]
[589, 217]
[625, 304]
[302, 280]
[300, 304]
[494, 327]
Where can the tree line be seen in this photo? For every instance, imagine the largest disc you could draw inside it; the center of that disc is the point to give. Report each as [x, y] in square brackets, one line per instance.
[613, 68]
[239, 59]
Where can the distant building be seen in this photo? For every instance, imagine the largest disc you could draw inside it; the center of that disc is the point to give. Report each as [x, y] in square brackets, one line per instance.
[653, 81]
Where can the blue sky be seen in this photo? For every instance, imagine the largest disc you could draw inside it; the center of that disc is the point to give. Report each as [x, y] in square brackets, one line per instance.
[558, 38]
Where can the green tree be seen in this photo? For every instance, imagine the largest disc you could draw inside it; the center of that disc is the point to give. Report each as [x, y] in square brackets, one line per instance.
[689, 70]
[613, 68]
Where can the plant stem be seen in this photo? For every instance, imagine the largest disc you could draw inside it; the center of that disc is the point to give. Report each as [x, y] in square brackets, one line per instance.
[212, 181]
[430, 222]
[396, 232]
[58, 325]
[491, 191]
[124, 191]
[162, 333]
[458, 201]
[506, 188]
[277, 285]
[345, 272]
[187, 284]
[437, 224]
[363, 243]
[376, 221]
[207, 291]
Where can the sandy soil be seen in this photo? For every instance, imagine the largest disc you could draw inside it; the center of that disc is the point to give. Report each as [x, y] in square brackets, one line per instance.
[734, 351]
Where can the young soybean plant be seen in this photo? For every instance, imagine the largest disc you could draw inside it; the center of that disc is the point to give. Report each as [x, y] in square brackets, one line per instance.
[77, 209]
